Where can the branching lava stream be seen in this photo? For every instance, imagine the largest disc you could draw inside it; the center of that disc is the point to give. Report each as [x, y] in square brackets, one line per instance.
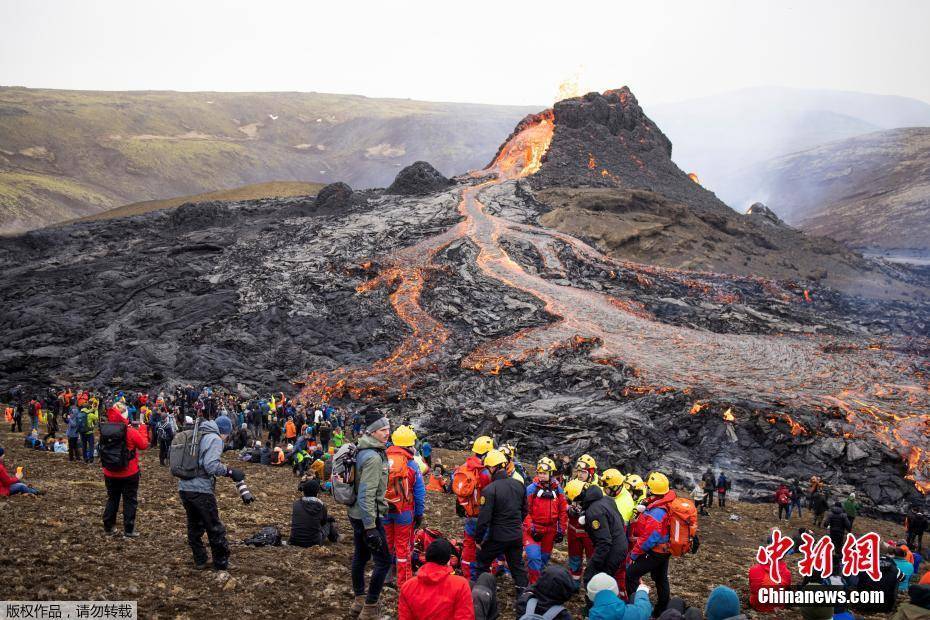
[877, 389]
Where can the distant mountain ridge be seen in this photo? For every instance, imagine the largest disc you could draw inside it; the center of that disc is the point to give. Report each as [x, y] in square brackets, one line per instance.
[67, 154]
[870, 192]
[722, 137]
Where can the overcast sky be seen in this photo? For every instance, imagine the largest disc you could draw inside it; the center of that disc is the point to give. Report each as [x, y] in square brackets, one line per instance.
[475, 51]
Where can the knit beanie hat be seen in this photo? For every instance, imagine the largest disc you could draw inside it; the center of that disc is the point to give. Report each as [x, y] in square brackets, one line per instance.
[439, 552]
[224, 424]
[602, 581]
[723, 602]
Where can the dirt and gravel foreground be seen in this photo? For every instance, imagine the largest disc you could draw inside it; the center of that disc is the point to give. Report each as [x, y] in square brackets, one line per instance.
[55, 549]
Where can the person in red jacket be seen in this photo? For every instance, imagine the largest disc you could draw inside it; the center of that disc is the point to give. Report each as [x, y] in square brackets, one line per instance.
[783, 498]
[759, 578]
[436, 591]
[11, 485]
[469, 505]
[547, 520]
[406, 496]
[124, 482]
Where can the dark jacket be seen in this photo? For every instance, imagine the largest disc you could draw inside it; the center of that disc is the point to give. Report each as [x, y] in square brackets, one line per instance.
[555, 586]
[265, 456]
[503, 509]
[307, 518]
[604, 526]
[484, 597]
[837, 520]
[819, 503]
[887, 583]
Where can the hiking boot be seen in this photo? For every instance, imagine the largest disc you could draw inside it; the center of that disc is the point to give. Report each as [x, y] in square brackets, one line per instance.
[357, 604]
[131, 534]
[370, 611]
[109, 532]
[203, 566]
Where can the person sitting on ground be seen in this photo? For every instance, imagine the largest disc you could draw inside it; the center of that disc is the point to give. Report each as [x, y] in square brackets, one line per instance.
[278, 458]
[310, 523]
[60, 446]
[918, 607]
[759, 577]
[436, 591]
[484, 597]
[33, 442]
[265, 455]
[678, 609]
[723, 604]
[12, 485]
[554, 587]
[318, 467]
[436, 481]
[906, 568]
[604, 595]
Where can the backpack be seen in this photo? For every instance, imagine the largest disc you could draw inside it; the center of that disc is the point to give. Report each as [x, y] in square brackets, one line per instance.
[84, 423]
[531, 614]
[268, 536]
[465, 487]
[682, 519]
[343, 476]
[184, 454]
[113, 449]
[398, 487]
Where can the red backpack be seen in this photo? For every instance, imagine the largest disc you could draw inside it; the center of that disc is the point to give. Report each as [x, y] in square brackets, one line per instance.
[398, 486]
[681, 518]
[465, 486]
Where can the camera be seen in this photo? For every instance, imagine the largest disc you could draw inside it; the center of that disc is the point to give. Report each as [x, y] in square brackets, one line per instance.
[244, 493]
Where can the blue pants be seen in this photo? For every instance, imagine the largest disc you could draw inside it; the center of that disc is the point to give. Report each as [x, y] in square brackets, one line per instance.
[22, 487]
[360, 558]
[87, 447]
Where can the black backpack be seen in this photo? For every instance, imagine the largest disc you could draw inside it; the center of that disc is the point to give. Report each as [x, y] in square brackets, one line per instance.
[113, 450]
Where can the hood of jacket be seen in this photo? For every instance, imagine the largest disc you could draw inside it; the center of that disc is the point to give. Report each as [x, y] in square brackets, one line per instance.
[591, 495]
[555, 586]
[208, 426]
[369, 442]
[487, 581]
[113, 415]
[433, 573]
[313, 506]
[837, 510]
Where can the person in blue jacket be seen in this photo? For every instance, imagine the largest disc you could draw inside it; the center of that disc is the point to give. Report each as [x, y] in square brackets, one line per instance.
[604, 595]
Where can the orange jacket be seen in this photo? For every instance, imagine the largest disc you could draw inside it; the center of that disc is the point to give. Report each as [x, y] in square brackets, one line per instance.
[435, 484]
[290, 429]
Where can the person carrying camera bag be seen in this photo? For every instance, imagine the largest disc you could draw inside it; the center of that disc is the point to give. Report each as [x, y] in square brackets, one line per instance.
[195, 460]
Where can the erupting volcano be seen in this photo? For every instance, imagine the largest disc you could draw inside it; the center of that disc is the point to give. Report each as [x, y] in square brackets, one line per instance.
[841, 384]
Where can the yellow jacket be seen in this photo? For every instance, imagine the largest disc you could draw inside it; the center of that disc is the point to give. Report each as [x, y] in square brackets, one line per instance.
[625, 505]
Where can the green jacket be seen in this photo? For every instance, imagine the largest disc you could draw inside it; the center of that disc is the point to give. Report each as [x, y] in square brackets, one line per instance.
[371, 475]
[92, 418]
[338, 439]
[851, 507]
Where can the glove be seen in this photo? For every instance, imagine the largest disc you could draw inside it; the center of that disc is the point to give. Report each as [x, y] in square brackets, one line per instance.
[644, 588]
[641, 508]
[373, 540]
[581, 520]
[559, 537]
[236, 474]
[537, 536]
[417, 521]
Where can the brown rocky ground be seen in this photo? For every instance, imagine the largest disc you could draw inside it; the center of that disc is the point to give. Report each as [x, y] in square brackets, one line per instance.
[54, 547]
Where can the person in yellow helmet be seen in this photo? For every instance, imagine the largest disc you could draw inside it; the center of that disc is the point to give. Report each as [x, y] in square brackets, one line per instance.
[649, 541]
[514, 468]
[406, 497]
[586, 469]
[579, 544]
[547, 518]
[637, 488]
[616, 487]
[468, 480]
[500, 522]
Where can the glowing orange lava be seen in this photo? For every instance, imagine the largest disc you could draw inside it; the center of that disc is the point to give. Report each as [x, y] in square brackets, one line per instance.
[878, 389]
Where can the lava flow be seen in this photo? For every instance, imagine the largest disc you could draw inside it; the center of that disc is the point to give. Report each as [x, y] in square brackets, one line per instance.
[813, 372]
